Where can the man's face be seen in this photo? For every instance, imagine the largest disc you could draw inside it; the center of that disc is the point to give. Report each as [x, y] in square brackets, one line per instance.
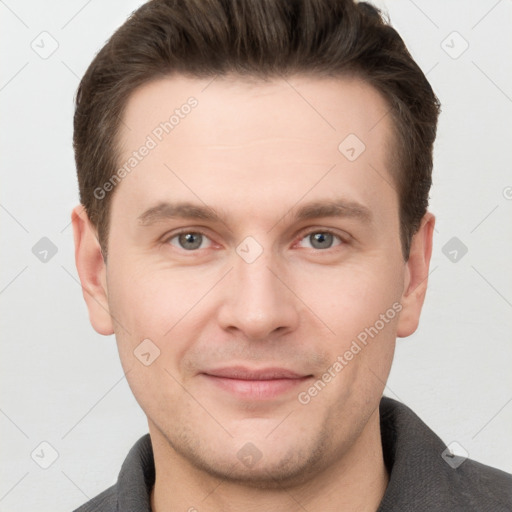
[253, 290]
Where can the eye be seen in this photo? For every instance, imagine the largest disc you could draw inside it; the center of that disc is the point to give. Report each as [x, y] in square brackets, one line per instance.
[322, 239]
[189, 240]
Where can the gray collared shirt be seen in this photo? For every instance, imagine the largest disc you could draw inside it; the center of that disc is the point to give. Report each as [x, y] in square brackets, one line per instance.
[423, 475]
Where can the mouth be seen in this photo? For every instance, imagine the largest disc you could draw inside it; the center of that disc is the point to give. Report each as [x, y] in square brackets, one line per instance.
[255, 384]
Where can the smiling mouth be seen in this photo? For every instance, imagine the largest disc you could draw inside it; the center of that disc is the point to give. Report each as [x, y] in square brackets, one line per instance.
[259, 384]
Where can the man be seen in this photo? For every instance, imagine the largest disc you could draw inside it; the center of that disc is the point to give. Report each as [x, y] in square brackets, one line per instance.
[253, 227]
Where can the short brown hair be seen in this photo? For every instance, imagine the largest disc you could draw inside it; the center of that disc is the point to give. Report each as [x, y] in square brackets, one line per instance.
[255, 38]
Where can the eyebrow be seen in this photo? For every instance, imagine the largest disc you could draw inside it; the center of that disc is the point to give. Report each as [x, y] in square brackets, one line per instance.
[166, 211]
[326, 208]
[334, 208]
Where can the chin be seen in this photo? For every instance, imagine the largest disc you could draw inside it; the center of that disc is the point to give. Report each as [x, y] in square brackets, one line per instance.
[286, 472]
[276, 465]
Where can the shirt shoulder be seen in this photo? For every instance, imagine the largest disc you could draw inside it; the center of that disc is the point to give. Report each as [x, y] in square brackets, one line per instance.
[132, 491]
[104, 502]
[426, 477]
[483, 486]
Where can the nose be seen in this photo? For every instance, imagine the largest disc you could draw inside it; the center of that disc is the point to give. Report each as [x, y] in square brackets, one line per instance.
[259, 301]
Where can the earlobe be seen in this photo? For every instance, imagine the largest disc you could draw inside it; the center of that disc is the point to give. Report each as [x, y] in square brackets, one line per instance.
[92, 271]
[416, 277]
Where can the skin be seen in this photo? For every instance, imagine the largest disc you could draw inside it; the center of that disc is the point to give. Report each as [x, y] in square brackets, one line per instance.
[255, 152]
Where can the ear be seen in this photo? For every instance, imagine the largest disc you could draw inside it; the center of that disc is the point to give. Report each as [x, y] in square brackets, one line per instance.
[92, 271]
[416, 277]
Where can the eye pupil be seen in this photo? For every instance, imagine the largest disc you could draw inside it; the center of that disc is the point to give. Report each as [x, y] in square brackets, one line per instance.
[190, 241]
[321, 240]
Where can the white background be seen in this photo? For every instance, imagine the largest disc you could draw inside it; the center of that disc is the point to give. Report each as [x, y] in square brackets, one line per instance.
[62, 382]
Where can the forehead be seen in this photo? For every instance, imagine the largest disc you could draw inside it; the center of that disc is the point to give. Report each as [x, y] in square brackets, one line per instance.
[231, 106]
[231, 137]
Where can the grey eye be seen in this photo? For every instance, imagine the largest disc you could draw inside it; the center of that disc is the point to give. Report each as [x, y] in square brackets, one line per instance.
[321, 240]
[190, 241]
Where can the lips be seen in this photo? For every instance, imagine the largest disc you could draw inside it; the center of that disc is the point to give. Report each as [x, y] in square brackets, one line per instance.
[255, 384]
[242, 373]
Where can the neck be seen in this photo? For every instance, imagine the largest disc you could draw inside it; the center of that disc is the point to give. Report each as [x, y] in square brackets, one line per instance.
[356, 482]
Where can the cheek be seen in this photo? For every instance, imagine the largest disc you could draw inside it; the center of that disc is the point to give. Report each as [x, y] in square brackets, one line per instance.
[151, 311]
[150, 305]
[169, 306]
[353, 297]
[155, 298]
[360, 303]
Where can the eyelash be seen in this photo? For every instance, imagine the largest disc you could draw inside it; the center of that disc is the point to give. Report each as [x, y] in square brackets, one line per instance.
[343, 240]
